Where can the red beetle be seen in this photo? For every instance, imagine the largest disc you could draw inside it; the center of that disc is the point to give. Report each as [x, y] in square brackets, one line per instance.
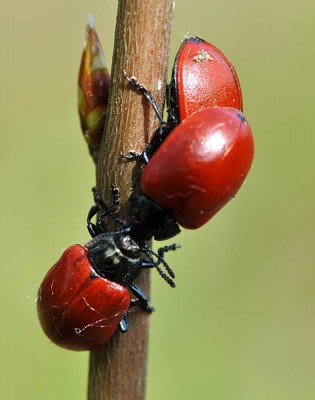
[86, 295]
[202, 77]
[201, 165]
[199, 159]
[76, 311]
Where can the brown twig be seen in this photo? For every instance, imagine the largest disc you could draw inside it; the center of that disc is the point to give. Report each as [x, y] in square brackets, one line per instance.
[118, 371]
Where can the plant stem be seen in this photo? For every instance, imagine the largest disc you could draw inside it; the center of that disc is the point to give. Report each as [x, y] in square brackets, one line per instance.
[118, 371]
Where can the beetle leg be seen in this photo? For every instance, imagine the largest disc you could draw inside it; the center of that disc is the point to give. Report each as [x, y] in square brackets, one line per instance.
[124, 324]
[143, 300]
[134, 82]
[144, 157]
[131, 155]
[92, 228]
[171, 106]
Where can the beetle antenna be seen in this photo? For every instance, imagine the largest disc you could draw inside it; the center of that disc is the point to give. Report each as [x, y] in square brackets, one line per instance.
[161, 259]
[98, 200]
[162, 274]
[108, 211]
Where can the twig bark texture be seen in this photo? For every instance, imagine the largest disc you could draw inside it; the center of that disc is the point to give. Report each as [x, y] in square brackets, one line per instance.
[141, 49]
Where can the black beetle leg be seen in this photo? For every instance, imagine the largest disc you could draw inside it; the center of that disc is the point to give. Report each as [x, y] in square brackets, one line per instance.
[124, 324]
[142, 157]
[92, 228]
[134, 82]
[143, 300]
[131, 155]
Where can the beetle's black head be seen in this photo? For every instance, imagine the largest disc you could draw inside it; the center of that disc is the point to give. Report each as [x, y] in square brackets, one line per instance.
[116, 258]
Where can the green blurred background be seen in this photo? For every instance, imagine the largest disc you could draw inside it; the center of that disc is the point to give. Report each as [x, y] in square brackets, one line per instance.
[240, 324]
